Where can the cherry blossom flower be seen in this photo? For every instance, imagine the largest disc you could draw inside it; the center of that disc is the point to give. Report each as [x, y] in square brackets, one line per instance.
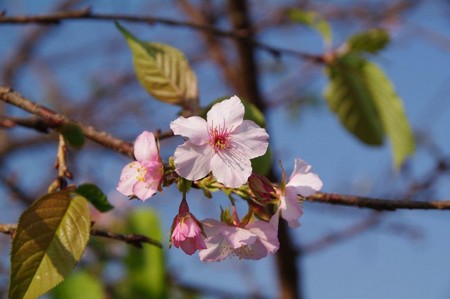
[303, 182]
[224, 143]
[253, 241]
[142, 178]
[187, 233]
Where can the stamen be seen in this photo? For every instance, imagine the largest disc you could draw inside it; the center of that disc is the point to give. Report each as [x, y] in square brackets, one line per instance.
[219, 137]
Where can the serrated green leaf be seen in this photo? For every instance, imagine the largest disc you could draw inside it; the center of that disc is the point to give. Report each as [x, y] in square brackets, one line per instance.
[79, 285]
[367, 105]
[73, 135]
[146, 276]
[95, 196]
[51, 237]
[392, 113]
[313, 20]
[163, 71]
[370, 41]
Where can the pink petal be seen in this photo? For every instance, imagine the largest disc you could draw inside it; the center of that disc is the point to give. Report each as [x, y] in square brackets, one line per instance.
[128, 178]
[188, 246]
[154, 171]
[217, 249]
[194, 128]
[267, 235]
[290, 209]
[144, 190]
[231, 167]
[305, 182]
[235, 236]
[145, 148]
[250, 138]
[228, 113]
[193, 161]
[239, 237]
[256, 251]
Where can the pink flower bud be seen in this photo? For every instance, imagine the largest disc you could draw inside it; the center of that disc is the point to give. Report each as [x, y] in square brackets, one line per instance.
[261, 187]
[187, 232]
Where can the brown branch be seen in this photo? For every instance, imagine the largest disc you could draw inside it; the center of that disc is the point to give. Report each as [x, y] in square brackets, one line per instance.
[28, 122]
[87, 14]
[379, 204]
[55, 120]
[133, 239]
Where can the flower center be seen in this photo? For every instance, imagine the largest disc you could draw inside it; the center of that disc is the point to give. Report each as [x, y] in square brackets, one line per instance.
[141, 171]
[244, 251]
[219, 138]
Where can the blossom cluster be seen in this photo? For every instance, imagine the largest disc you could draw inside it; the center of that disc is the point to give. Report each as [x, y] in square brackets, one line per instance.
[219, 149]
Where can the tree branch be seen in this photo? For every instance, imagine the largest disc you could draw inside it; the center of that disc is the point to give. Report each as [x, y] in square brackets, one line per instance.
[87, 14]
[54, 120]
[132, 239]
[378, 203]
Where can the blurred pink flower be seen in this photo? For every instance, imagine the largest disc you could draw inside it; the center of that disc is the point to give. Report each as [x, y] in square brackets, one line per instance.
[303, 182]
[254, 241]
[142, 178]
[224, 143]
[187, 233]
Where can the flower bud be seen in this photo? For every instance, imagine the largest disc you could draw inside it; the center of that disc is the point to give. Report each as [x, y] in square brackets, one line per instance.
[261, 187]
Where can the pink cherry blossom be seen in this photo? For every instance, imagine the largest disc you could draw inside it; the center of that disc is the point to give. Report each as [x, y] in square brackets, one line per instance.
[142, 178]
[224, 143]
[303, 182]
[254, 241]
[187, 233]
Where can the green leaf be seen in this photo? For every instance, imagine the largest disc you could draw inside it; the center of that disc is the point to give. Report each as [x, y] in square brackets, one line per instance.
[367, 105]
[262, 165]
[95, 196]
[370, 41]
[313, 20]
[73, 135]
[146, 266]
[50, 239]
[163, 71]
[79, 285]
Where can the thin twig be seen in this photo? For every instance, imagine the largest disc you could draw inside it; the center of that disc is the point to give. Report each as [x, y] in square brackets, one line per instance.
[379, 204]
[87, 14]
[133, 239]
[55, 120]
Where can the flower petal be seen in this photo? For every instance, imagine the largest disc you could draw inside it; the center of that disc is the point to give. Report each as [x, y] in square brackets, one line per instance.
[217, 249]
[194, 128]
[144, 190]
[248, 137]
[145, 148]
[128, 178]
[193, 161]
[306, 183]
[231, 167]
[228, 113]
[290, 209]
[267, 235]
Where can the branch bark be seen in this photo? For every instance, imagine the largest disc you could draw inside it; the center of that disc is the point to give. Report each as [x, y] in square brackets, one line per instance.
[379, 204]
[87, 14]
[133, 239]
